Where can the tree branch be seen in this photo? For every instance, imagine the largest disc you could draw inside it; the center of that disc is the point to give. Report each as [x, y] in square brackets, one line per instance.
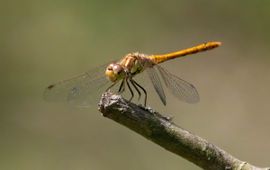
[162, 131]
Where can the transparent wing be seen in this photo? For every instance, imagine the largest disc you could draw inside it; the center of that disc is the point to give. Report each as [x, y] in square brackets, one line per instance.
[153, 75]
[179, 88]
[81, 90]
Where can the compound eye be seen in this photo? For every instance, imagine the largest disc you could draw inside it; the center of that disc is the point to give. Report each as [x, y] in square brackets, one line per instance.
[117, 69]
[114, 72]
[110, 68]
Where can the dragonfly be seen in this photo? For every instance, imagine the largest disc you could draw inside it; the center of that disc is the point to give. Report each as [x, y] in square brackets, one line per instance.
[79, 89]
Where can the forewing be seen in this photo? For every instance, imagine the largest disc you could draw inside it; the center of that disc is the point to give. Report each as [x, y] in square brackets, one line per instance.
[179, 88]
[80, 90]
[153, 75]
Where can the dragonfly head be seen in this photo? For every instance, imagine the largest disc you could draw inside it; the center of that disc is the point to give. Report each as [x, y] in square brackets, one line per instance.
[115, 72]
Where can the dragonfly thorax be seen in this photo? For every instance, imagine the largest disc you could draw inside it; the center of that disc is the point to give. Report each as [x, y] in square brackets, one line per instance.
[129, 66]
[135, 63]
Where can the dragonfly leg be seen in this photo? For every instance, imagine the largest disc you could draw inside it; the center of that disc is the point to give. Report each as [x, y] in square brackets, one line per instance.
[122, 87]
[110, 87]
[136, 88]
[145, 93]
[130, 89]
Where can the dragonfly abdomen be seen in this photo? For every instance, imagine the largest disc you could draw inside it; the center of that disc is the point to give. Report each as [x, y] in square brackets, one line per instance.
[199, 48]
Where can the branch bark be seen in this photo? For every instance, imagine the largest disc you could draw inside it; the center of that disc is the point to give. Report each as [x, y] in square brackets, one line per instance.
[162, 131]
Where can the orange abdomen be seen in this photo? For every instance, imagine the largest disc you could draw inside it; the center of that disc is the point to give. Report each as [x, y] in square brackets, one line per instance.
[199, 48]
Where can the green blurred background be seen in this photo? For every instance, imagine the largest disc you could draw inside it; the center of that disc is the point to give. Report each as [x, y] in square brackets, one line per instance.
[45, 41]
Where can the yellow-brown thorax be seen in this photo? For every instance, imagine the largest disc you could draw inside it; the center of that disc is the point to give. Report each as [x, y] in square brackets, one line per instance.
[128, 66]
